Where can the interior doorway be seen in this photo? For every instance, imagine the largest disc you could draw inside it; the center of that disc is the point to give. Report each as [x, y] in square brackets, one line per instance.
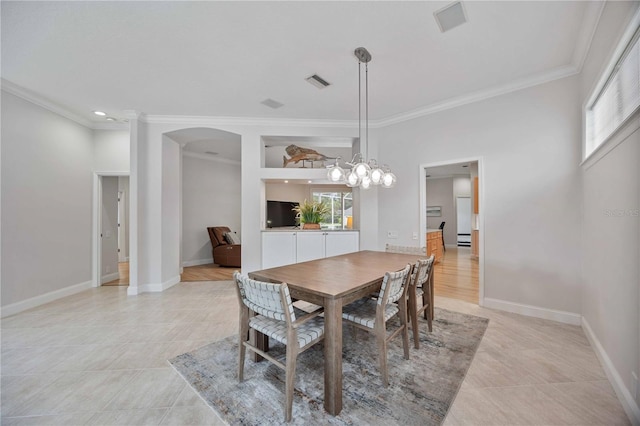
[450, 195]
[111, 230]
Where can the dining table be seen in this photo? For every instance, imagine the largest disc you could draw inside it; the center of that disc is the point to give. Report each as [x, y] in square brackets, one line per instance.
[333, 282]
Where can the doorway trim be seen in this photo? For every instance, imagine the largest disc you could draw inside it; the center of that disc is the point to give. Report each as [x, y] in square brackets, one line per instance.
[423, 209]
[96, 261]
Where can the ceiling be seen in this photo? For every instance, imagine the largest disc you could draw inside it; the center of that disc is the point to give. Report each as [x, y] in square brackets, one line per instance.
[223, 58]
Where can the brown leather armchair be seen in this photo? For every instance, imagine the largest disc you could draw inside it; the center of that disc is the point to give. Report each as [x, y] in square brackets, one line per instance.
[224, 254]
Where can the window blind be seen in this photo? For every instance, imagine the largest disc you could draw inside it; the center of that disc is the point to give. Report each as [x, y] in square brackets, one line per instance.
[618, 99]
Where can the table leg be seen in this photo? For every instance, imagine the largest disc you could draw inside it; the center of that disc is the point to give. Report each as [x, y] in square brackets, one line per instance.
[333, 356]
[260, 341]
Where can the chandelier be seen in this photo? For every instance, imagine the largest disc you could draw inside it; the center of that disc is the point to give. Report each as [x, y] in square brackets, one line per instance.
[363, 173]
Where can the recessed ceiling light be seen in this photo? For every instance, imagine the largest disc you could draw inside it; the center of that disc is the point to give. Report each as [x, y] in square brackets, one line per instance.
[286, 181]
[100, 113]
[308, 181]
[110, 119]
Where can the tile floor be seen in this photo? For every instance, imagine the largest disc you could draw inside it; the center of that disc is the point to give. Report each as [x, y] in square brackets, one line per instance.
[100, 357]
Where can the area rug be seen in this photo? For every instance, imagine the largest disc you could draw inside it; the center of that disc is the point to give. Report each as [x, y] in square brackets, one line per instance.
[421, 389]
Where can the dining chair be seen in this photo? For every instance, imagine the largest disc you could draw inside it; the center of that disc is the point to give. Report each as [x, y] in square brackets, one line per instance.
[421, 286]
[267, 308]
[441, 227]
[372, 315]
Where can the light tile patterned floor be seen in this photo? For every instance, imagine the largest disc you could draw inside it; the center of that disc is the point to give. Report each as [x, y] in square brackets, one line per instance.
[100, 357]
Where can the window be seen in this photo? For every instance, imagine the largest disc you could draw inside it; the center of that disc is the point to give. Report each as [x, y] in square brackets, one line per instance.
[341, 204]
[617, 97]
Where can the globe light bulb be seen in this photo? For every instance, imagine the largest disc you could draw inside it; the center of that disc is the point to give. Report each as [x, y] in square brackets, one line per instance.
[388, 180]
[362, 170]
[335, 173]
[376, 176]
[352, 179]
[365, 183]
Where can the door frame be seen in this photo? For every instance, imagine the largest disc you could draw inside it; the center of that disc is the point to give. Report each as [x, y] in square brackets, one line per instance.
[96, 261]
[481, 200]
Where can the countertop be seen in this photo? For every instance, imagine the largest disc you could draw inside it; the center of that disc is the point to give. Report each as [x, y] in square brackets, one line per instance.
[307, 230]
[433, 230]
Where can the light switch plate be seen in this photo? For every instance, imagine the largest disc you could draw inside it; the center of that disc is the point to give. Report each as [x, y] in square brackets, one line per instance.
[392, 234]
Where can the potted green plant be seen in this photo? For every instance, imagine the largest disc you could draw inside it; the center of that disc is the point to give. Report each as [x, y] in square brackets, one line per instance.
[311, 213]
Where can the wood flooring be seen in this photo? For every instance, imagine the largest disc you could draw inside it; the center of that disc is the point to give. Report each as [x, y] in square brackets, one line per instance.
[456, 276]
[208, 272]
[123, 279]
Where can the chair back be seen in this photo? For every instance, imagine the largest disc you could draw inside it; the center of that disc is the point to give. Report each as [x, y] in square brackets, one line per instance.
[268, 299]
[422, 270]
[393, 285]
[442, 225]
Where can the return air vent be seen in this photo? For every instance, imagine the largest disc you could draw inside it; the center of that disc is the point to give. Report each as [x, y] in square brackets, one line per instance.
[271, 103]
[318, 81]
[450, 16]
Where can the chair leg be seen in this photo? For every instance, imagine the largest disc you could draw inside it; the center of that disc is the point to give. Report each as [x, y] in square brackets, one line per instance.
[292, 354]
[382, 354]
[427, 308]
[413, 316]
[244, 331]
[405, 332]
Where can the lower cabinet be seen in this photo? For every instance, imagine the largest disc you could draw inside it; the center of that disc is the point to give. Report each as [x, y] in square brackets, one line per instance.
[284, 248]
[475, 243]
[278, 248]
[434, 245]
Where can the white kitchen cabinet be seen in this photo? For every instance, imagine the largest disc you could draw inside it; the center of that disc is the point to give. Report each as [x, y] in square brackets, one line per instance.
[310, 246]
[284, 248]
[278, 249]
[337, 243]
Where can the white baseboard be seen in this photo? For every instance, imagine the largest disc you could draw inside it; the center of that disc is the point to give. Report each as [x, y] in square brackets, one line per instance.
[533, 311]
[33, 302]
[626, 399]
[109, 277]
[197, 262]
[159, 287]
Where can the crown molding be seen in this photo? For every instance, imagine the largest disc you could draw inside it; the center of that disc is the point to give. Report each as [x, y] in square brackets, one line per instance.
[480, 95]
[590, 22]
[110, 125]
[209, 158]
[246, 121]
[43, 102]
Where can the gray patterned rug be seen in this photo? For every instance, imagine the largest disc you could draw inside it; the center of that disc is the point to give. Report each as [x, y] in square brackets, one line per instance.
[421, 389]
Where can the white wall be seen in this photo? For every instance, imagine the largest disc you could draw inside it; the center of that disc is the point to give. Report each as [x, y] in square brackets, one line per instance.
[611, 232]
[211, 195]
[109, 229]
[528, 142]
[111, 151]
[293, 192]
[123, 188]
[171, 206]
[46, 201]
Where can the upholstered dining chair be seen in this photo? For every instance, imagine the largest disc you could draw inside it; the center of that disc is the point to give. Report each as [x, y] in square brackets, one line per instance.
[372, 315]
[421, 286]
[268, 309]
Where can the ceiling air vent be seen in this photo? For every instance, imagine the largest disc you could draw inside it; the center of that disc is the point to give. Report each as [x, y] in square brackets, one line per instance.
[318, 81]
[450, 16]
[271, 103]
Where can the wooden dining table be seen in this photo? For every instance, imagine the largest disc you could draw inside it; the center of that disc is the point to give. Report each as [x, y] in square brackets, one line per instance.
[333, 282]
